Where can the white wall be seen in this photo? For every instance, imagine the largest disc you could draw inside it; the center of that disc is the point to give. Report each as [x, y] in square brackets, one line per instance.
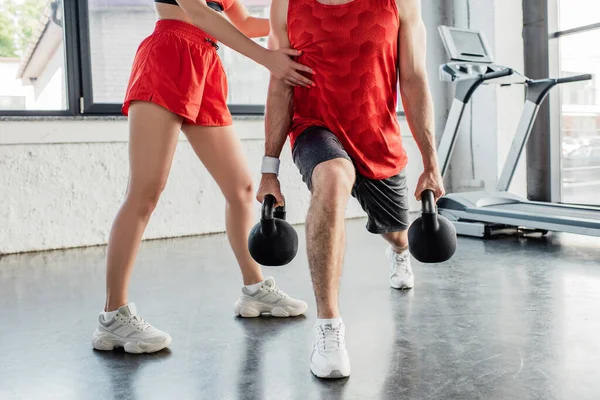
[63, 181]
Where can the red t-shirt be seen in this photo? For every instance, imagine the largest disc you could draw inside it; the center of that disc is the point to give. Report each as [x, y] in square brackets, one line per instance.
[353, 49]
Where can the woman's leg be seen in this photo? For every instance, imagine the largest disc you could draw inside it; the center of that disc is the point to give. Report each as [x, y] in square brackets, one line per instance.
[153, 134]
[220, 151]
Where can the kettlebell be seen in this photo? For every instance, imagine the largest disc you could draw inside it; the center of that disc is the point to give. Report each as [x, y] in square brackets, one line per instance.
[272, 242]
[431, 237]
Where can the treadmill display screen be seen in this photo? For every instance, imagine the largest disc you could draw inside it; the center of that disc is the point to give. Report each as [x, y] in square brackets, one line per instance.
[468, 43]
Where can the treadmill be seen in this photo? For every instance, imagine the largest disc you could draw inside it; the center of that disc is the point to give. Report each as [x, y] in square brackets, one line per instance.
[481, 214]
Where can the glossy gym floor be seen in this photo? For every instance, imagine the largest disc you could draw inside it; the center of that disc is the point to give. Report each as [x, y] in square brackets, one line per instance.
[507, 318]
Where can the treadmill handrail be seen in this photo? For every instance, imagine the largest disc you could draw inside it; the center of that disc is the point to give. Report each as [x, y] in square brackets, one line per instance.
[575, 78]
[464, 90]
[497, 74]
[466, 87]
[537, 90]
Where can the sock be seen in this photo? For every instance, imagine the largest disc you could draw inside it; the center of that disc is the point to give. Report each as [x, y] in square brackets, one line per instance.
[325, 321]
[109, 315]
[402, 252]
[254, 287]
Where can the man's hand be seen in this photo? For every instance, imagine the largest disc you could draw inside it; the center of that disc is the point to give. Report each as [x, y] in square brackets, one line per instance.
[269, 184]
[432, 180]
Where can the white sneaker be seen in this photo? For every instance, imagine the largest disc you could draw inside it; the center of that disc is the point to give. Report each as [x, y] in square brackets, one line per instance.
[329, 358]
[401, 275]
[268, 299]
[126, 329]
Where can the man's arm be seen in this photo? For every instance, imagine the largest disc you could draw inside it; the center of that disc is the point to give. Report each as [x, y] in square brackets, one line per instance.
[279, 108]
[278, 113]
[415, 91]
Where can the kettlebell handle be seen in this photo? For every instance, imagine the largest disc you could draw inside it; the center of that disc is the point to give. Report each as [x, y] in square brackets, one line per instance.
[269, 211]
[428, 202]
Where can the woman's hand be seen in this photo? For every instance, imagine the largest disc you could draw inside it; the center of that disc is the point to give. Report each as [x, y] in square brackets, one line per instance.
[285, 69]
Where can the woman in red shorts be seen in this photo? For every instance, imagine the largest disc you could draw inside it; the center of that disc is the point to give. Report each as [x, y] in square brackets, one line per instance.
[178, 84]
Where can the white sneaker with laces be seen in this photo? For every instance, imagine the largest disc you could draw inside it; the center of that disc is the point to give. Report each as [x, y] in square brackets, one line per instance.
[126, 329]
[401, 275]
[268, 299]
[329, 358]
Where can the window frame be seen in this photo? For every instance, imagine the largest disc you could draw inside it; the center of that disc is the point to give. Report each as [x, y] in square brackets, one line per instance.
[71, 66]
[78, 75]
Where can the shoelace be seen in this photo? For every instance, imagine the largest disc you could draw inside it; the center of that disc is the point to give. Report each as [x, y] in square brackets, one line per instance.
[330, 338]
[401, 259]
[275, 290]
[137, 322]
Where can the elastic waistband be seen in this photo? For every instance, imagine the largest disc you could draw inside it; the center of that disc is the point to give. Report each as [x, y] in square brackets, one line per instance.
[185, 30]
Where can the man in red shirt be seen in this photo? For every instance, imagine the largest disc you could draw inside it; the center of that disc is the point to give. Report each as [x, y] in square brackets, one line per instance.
[346, 138]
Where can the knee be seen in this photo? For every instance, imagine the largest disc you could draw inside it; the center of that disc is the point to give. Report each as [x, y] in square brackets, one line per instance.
[332, 181]
[241, 196]
[397, 239]
[143, 199]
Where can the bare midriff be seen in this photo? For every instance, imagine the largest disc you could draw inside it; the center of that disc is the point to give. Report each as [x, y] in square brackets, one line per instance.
[167, 11]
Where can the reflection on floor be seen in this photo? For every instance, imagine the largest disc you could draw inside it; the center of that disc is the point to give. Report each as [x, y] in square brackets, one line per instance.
[507, 318]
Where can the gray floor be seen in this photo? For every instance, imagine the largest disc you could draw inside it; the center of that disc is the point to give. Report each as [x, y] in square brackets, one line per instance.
[505, 319]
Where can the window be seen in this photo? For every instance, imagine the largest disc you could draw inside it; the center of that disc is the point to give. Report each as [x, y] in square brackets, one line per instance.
[66, 57]
[580, 102]
[32, 56]
[116, 29]
[577, 13]
[248, 81]
[579, 93]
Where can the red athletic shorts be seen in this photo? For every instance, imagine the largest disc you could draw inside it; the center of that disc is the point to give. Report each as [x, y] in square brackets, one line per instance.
[178, 68]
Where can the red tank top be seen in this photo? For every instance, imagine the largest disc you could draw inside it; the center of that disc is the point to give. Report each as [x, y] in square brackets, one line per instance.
[226, 4]
[353, 49]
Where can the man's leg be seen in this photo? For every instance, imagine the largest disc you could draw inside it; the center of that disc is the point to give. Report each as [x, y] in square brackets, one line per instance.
[332, 183]
[398, 240]
[327, 170]
[325, 231]
[386, 203]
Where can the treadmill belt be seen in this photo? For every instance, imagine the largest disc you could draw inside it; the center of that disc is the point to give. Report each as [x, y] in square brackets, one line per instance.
[544, 213]
[553, 210]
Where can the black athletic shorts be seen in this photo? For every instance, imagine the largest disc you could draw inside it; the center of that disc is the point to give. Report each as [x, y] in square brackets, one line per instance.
[385, 201]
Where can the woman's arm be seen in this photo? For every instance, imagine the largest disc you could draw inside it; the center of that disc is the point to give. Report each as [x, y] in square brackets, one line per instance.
[250, 26]
[216, 25]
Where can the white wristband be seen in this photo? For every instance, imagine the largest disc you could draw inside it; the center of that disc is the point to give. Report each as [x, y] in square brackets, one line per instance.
[270, 165]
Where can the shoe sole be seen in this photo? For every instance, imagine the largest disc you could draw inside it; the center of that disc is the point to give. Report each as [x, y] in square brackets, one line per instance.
[257, 309]
[402, 287]
[333, 374]
[106, 341]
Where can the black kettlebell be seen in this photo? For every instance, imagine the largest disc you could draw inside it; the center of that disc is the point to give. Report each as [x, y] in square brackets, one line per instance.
[431, 237]
[272, 242]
